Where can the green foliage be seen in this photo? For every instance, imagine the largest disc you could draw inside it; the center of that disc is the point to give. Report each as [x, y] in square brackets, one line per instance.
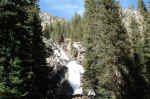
[147, 51]
[106, 40]
[58, 32]
[141, 7]
[10, 38]
[55, 31]
[22, 56]
[117, 62]
[62, 29]
[76, 28]
[47, 31]
[74, 52]
[133, 75]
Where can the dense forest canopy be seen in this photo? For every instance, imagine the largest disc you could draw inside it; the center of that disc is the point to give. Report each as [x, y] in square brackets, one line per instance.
[116, 59]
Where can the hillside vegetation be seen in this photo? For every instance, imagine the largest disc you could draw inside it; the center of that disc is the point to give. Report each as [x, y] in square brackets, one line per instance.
[41, 56]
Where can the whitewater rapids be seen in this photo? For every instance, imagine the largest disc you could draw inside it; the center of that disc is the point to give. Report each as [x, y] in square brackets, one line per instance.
[75, 72]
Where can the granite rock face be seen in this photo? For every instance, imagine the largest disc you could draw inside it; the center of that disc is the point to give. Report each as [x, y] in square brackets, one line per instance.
[67, 69]
[48, 19]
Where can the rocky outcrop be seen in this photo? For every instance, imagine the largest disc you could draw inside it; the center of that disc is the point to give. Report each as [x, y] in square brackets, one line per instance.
[48, 19]
[67, 69]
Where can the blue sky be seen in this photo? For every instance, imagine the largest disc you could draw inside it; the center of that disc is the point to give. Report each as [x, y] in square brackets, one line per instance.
[126, 3]
[62, 8]
[67, 8]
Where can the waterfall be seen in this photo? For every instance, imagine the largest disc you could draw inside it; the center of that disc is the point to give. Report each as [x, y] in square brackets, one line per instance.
[75, 72]
[61, 61]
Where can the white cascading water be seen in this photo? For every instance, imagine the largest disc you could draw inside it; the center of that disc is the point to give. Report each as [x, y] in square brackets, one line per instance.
[75, 71]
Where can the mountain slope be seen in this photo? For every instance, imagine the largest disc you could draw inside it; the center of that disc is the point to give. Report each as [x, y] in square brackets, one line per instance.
[68, 55]
[48, 19]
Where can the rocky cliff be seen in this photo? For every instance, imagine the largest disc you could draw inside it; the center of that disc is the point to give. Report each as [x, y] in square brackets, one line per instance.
[48, 19]
[67, 67]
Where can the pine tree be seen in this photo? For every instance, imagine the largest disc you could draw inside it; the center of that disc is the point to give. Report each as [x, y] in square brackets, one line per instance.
[133, 75]
[141, 7]
[90, 74]
[147, 49]
[75, 33]
[15, 47]
[40, 71]
[92, 64]
[47, 31]
[22, 55]
[106, 41]
[58, 32]
[147, 55]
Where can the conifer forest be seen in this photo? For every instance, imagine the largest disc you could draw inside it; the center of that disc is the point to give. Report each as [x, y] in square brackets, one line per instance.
[102, 54]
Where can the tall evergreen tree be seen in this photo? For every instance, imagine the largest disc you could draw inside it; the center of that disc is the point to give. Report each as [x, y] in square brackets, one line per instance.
[106, 40]
[133, 76]
[147, 49]
[48, 31]
[141, 6]
[75, 27]
[39, 68]
[58, 32]
[15, 47]
[22, 56]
